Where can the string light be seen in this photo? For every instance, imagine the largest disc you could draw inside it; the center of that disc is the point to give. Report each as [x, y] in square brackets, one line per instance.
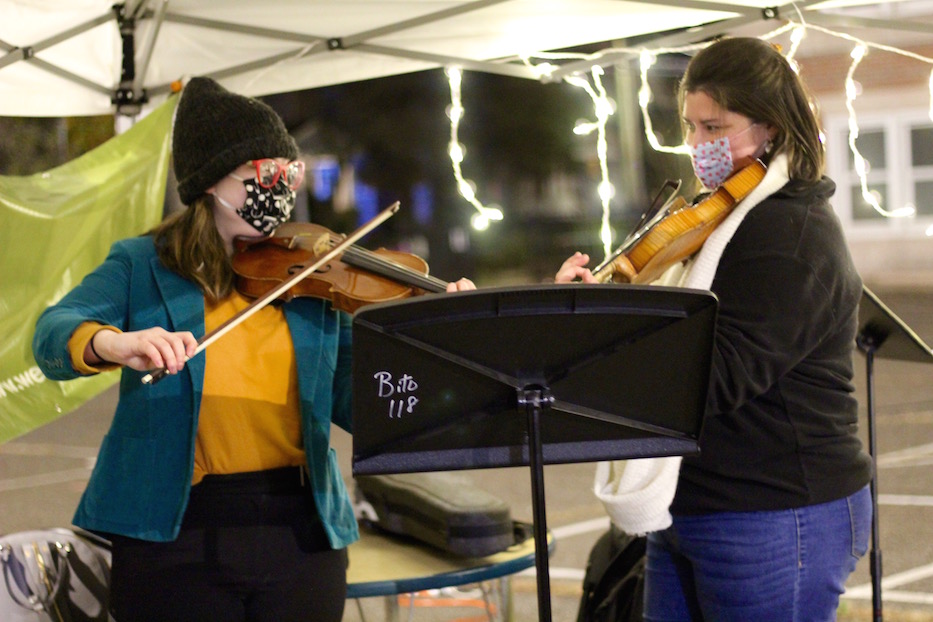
[798, 32]
[796, 38]
[603, 109]
[456, 151]
[646, 60]
[861, 165]
[931, 95]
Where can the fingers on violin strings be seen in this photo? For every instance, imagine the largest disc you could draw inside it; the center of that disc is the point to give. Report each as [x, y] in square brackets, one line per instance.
[572, 268]
[462, 285]
[579, 259]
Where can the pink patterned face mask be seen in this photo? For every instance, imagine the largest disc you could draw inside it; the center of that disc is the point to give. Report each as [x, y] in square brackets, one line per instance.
[712, 161]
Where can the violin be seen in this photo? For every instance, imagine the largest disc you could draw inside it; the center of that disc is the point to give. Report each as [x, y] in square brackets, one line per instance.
[352, 279]
[678, 233]
[342, 291]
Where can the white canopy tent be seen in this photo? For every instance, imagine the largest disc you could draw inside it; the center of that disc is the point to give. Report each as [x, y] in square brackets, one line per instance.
[88, 57]
[63, 58]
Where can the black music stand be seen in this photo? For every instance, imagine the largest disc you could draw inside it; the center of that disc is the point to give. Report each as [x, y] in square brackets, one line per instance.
[530, 376]
[882, 333]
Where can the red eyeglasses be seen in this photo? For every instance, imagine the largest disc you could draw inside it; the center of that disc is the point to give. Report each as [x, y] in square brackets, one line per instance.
[268, 172]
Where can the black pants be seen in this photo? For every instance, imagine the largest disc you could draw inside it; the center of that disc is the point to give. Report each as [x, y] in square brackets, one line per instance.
[251, 548]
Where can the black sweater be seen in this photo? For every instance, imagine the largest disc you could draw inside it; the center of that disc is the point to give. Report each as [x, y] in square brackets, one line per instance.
[780, 429]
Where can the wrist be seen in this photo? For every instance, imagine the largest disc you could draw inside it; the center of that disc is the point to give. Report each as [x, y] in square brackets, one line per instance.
[94, 350]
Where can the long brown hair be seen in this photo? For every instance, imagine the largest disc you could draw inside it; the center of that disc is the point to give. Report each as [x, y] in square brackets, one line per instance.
[750, 76]
[188, 243]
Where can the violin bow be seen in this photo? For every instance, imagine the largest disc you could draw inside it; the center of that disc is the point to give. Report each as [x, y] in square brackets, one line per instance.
[156, 375]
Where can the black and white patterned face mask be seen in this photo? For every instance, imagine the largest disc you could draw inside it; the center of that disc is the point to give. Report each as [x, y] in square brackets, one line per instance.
[265, 208]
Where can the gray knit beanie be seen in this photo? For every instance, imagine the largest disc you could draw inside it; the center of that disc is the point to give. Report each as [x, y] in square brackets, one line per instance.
[216, 131]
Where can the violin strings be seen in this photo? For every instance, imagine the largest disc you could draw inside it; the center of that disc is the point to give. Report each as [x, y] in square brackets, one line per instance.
[388, 264]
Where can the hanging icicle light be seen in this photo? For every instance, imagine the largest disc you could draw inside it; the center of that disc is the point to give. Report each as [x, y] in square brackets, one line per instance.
[852, 90]
[931, 95]
[796, 38]
[603, 108]
[646, 61]
[457, 153]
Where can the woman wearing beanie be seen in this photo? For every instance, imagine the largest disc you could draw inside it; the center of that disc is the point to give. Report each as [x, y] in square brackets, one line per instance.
[217, 486]
[769, 520]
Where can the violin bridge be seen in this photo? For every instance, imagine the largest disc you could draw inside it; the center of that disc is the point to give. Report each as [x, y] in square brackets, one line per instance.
[322, 245]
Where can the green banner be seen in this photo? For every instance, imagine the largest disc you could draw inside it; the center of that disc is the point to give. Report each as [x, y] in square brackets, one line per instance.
[55, 227]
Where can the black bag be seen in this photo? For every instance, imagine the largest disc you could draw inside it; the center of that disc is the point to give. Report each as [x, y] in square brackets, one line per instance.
[55, 575]
[613, 586]
[440, 509]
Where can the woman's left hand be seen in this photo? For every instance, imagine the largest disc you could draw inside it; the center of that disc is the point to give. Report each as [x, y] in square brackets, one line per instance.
[575, 268]
[463, 285]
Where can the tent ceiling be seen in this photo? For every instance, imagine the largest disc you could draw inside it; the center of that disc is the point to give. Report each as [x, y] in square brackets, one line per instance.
[84, 57]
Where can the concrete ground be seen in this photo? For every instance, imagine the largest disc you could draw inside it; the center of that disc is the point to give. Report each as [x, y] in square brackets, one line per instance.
[43, 473]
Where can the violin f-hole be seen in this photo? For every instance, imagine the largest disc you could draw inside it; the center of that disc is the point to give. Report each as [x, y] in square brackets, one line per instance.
[298, 267]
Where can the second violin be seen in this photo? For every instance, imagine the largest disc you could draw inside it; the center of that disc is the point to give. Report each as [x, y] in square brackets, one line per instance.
[679, 234]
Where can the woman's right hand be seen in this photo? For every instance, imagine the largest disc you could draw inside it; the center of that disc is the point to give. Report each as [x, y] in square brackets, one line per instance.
[153, 348]
[575, 268]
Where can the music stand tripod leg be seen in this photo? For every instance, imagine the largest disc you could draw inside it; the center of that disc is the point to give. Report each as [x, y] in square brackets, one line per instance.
[535, 400]
[867, 346]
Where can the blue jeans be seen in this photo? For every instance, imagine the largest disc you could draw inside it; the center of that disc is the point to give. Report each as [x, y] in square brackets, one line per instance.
[788, 565]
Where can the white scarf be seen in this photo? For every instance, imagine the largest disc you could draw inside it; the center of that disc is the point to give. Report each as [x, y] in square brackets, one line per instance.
[637, 494]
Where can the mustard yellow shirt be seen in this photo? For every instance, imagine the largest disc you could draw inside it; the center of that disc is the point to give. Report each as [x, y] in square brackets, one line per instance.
[250, 415]
[249, 419]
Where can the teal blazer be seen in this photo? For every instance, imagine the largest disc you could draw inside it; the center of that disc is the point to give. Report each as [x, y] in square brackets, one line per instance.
[142, 478]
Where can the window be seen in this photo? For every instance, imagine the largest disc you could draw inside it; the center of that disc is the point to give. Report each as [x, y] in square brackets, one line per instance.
[921, 161]
[871, 144]
[898, 150]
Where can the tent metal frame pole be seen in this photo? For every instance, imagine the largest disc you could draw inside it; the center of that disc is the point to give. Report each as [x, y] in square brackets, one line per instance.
[130, 92]
[506, 69]
[748, 15]
[235, 70]
[830, 19]
[357, 42]
[29, 52]
[222, 26]
[71, 77]
[430, 18]
[157, 19]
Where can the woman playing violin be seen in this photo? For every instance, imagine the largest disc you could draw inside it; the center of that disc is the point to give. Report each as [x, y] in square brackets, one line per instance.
[768, 521]
[217, 486]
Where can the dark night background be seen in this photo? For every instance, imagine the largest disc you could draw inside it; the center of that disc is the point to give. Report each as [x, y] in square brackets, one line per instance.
[393, 132]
